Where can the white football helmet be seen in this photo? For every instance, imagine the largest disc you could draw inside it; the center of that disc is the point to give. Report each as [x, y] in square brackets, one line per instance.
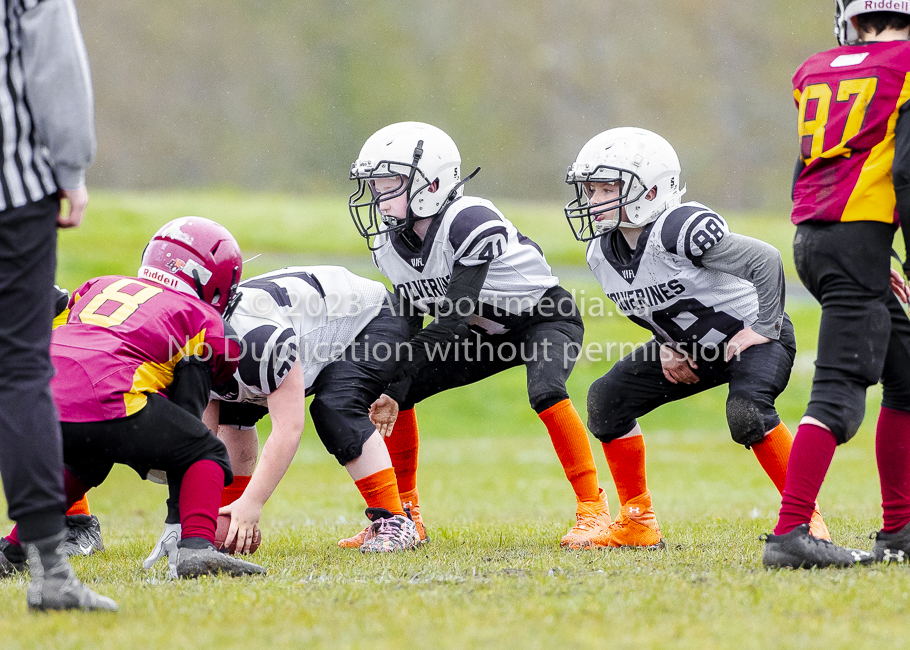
[423, 155]
[844, 10]
[638, 160]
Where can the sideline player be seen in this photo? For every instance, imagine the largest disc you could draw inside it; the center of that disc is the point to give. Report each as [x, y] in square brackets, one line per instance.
[326, 332]
[713, 299]
[851, 184]
[495, 302]
[135, 362]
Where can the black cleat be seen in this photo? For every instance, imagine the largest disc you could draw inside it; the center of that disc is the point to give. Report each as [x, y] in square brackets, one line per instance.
[800, 550]
[206, 561]
[54, 585]
[83, 535]
[892, 547]
[12, 559]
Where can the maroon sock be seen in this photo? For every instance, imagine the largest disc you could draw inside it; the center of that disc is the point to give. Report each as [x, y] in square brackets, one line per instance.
[73, 489]
[200, 498]
[810, 457]
[892, 452]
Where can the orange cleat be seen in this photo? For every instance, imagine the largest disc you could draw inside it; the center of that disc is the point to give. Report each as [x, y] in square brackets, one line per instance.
[592, 518]
[357, 540]
[410, 501]
[817, 526]
[635, 527]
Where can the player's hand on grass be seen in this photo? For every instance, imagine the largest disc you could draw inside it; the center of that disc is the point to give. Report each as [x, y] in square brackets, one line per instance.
[383, 413]
[166, 546]
[245, 514]
[899, 287]
[677, 366]
[742, 341]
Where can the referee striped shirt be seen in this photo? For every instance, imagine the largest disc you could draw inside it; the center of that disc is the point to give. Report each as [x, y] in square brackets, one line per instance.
[47, 126]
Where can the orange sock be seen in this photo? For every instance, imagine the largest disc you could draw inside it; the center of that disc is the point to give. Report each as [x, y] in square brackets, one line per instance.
[235, 490]
[570, 440]
[626, 458]
[380, 490]
[79, 508]
[773, 452]
[403, 446]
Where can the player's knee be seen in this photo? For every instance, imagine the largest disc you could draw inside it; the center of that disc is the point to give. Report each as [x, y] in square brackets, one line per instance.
[338, 432]
[216, 451]
[745, 419]
[607, 420]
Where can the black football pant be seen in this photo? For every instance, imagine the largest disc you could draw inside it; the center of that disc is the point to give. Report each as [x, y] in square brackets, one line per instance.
[344, 389]
[161, 435]
[636, 385]
[864, 336]
[547, 344]
[31, 461]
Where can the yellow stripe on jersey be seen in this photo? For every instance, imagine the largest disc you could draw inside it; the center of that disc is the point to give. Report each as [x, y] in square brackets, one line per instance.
[873, 198]
[60, 319]
[151, 377]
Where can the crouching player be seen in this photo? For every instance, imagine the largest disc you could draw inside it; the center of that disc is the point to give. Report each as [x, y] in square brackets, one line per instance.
[135, 362]
[326, 332]
[714, 301]
[495, 302]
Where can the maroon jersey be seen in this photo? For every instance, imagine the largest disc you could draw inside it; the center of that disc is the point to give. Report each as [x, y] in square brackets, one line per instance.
[848, 100]
[122, 339]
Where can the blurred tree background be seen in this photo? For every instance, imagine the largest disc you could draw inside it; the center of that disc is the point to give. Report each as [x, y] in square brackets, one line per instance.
[279, 95]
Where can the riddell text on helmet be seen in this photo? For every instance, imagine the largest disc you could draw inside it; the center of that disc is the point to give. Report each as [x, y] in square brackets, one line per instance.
[885, 5]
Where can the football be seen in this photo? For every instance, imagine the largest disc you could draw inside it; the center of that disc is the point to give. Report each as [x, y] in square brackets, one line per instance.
[221, 531]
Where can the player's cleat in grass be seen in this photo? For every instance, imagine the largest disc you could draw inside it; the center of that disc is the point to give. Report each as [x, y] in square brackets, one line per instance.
[83, 535]
[592, 518]
[389, 533]
[54, 585]
[798, 549]
[410, 501]
[411, 505]
[892, 547]
[197, 557]
[635, 527]
[12, 559]
[817, 526]
[357, 540]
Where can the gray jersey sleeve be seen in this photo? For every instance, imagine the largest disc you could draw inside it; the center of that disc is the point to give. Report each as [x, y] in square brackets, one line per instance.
[59, 87]
[759, 263]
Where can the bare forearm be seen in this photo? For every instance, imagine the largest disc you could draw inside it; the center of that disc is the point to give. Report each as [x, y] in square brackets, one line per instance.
[277, 454]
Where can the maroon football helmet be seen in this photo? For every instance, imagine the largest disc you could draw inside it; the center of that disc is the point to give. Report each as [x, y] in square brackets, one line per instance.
[195, 256]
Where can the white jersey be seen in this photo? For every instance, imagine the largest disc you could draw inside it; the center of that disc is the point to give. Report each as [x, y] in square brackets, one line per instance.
[310, 313]
[662, 284]
[470, 232]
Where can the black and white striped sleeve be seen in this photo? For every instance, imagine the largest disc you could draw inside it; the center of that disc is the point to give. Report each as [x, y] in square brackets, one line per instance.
[477, 235]
[58, 87]
[690, 231]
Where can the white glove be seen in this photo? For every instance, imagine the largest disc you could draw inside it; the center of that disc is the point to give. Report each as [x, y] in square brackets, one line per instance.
[166, 545]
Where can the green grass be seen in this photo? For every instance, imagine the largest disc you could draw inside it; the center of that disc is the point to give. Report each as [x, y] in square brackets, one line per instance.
[494, 498]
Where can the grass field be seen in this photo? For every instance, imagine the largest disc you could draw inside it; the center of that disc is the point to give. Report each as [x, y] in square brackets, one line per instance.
[494, 498]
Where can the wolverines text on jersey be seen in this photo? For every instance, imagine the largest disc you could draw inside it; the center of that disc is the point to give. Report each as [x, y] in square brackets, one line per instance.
[662, 285]
[470, 232]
